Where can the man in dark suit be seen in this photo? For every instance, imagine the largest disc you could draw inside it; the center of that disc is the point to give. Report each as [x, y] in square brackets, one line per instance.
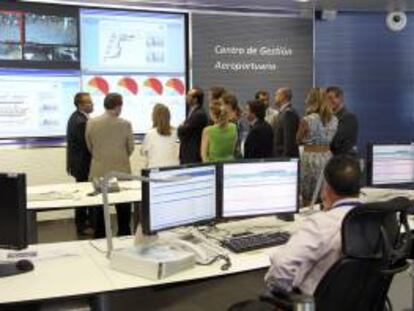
[345, 139]
[259, 141]
[78, 158]
[286, 126]
[191, 130]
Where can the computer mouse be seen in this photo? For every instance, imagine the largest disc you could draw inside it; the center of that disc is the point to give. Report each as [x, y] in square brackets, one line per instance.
[24, 265]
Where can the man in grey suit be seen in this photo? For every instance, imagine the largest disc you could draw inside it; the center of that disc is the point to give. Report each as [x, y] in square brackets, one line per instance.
[111, 142]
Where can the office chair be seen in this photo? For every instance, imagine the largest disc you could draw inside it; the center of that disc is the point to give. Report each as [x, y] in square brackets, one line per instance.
[374, 249]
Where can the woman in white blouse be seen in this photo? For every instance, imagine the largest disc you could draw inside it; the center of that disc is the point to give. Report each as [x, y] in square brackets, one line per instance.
[160, 144]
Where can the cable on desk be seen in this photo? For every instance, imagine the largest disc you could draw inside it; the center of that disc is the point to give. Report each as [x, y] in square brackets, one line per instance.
[96, 247]
[225, 266]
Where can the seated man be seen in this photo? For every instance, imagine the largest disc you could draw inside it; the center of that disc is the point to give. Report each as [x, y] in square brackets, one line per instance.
[316, 245]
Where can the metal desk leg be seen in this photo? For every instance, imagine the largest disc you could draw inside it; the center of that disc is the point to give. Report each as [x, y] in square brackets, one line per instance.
[31, 227]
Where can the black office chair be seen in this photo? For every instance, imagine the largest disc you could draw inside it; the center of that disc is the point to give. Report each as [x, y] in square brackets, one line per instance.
[374, 250]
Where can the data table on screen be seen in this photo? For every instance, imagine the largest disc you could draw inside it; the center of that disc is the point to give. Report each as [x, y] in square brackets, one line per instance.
[392, 164]
[259, 188]
[182, 202]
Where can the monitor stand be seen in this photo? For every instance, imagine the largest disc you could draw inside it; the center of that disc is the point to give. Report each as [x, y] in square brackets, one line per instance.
[150, 258]
[286, 217]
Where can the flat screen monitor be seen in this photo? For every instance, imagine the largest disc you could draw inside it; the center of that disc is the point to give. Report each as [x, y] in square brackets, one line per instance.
[36, 103]
[13, 219]
[141, 55]
[256, 188]
[390, 165]
[39, 36]
[191, 200]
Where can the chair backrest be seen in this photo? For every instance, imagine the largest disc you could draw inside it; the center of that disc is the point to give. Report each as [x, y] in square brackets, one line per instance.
[374, 249]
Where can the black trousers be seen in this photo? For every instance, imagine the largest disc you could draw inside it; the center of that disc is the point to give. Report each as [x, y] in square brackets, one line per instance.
[123, 215]
[83, 215]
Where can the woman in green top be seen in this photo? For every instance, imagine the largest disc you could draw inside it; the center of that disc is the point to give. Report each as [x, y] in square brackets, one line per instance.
[219, 140]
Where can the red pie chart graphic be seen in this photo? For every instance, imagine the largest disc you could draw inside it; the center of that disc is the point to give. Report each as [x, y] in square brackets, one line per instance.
[100, 84]
[177, 85]
[154, 85]
[129, 84]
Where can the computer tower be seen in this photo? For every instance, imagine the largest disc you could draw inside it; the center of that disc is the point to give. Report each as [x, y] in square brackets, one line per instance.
[13, 222]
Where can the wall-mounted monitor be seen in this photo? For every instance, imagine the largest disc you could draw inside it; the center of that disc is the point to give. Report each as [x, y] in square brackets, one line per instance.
[36, 103]
[39, 36]
[48, 53]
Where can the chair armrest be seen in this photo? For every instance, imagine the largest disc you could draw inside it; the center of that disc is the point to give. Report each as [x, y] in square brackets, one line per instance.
[398, 268]
[289, 301]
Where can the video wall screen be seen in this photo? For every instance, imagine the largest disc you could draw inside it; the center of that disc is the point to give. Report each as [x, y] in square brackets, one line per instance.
[34, 36]
[49, 53]
[139, 55]
[36, 103]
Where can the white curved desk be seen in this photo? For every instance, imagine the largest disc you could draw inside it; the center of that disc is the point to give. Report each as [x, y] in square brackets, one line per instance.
[73, 195]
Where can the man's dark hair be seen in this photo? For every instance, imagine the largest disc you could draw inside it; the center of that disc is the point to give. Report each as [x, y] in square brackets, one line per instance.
[78, 98]
[112, 100]
[343, 174]
[260, 93]
[336, 90]
[257, 108]
[216, 92]
[198, 95]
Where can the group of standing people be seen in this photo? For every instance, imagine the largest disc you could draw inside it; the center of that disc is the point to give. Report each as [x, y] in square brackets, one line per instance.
[263, 131]
[260, 130]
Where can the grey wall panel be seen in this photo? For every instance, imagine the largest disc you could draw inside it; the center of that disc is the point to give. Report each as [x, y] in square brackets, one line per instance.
[291, 39]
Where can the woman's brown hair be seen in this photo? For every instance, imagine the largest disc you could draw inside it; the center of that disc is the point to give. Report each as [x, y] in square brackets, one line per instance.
[317, 102]
[161, 119]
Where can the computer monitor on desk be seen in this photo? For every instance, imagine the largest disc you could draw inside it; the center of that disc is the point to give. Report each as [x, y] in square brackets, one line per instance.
[390, 165]
[13, 225]
[258, 188]
[184, 202]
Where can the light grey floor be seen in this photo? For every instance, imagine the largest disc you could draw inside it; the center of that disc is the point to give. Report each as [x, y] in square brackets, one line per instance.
[64, 230]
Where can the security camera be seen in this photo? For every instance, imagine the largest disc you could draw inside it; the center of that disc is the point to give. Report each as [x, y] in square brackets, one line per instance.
[396, 21]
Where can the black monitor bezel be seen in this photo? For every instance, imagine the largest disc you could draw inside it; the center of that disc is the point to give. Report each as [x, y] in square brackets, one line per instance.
[369, 161]
[145, 204]
[222, 218]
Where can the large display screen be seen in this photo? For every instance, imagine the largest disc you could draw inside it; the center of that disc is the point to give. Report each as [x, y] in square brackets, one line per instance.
[139, 55]
[33, 36]
[49, 53]
[36, 103]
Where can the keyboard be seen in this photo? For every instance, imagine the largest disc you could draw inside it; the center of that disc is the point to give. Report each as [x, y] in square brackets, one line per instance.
[251, 242]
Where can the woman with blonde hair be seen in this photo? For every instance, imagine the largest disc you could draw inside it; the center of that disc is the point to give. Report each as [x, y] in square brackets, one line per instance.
[160, 146]
[316, 131]
[218, 141]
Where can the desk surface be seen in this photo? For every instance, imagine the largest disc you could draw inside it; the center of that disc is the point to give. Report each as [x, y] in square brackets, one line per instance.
[68, 271]
[80, 268]
[72, 195]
